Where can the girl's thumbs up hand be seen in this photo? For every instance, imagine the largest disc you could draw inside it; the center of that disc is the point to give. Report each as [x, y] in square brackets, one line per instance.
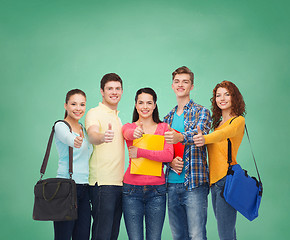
[198, 139]
[78, 140]
[138, 132]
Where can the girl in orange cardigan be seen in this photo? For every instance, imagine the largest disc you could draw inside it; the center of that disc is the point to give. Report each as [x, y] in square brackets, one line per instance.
[228, 109]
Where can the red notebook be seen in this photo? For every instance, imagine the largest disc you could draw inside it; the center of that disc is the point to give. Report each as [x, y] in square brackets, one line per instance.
[178, 149]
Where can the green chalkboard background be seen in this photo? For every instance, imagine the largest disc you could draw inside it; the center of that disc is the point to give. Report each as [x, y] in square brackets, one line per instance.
[50, 47]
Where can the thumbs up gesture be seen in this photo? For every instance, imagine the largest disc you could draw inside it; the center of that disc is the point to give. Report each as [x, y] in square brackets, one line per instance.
[172, 137]
[79, 140]
[109, 134]
[138, 132]
[199, 138]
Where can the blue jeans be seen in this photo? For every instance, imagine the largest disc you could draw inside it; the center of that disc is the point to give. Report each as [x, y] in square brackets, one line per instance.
[187, 211]
[106, 203]
[225, 214]
[78, 229]
[147, 201]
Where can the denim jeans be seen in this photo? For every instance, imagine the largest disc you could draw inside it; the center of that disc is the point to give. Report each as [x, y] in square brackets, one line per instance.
[147, 201]
[106, 203]
[187, 211]
[225, 214]
[78, 229]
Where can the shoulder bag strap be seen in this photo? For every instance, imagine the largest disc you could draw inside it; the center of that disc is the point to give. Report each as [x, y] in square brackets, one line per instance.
[48, 148]
[230, 151]
[230, 147]
[253, 153]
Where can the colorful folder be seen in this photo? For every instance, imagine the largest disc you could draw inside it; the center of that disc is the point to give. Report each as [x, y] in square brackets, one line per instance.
[144, 166]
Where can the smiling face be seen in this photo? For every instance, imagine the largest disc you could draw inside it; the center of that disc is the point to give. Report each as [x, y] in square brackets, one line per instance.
[112, 94]
[76, 106]
[182, 85]
[223, 99]
[145, 105]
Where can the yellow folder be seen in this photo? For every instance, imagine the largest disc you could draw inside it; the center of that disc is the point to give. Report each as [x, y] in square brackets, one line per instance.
[146, 166]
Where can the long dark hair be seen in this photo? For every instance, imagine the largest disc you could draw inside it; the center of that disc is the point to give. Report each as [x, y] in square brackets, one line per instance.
[238, 105]
[71, 93]
[155, 114]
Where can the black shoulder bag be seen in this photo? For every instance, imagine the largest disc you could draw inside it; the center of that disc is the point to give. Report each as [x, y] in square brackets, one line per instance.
[55, 199]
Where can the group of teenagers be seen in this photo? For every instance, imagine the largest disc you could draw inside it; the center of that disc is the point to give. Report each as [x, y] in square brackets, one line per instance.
[104, 192]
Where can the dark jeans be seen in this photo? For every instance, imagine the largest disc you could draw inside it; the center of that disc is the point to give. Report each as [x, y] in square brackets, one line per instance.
[78, 229]
[106, 203]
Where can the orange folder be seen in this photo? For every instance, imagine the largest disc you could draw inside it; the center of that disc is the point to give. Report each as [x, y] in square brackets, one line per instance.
[144, 166]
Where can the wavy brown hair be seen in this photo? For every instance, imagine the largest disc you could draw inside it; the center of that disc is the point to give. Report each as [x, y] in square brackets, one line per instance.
[238, 104]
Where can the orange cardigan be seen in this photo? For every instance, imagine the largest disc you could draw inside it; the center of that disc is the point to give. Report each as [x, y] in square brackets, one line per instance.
[217, 146]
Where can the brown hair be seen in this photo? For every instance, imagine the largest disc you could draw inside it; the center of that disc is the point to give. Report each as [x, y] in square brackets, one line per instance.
[182, 70]
[238, 105]
[110, 77]
[71, 93]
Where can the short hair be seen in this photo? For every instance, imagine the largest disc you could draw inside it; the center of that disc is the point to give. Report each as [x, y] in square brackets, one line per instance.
[110, 77]
[182, 70]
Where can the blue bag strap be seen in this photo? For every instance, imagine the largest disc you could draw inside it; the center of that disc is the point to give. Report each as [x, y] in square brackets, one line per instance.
[230, 151]
[253, 153]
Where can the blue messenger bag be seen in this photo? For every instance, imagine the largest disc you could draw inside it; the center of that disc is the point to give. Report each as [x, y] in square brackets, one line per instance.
[242, 191]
